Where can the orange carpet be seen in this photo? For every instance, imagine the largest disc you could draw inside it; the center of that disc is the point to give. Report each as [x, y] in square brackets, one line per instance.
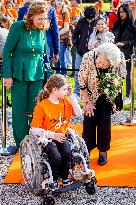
[120, 169]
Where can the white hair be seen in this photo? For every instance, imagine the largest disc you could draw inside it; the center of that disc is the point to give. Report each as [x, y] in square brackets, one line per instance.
[112, 52]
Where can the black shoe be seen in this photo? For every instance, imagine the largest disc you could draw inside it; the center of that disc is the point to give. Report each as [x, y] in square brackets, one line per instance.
[102, 159]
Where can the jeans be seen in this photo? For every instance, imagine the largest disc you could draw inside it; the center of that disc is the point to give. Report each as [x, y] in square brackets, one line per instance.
[62, 60]
[68, 58]
[77, 66]
[50, 53]
[48, 63]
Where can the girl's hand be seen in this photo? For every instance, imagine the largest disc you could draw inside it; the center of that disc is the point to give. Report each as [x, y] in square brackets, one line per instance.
[59, 137]
[95, 29]
[69, 90]
[8, 82]
[89, 109]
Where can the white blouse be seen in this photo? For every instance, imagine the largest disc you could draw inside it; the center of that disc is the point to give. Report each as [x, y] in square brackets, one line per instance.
[97, 39]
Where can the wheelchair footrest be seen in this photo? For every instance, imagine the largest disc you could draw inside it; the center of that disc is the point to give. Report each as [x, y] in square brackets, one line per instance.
[69, 187]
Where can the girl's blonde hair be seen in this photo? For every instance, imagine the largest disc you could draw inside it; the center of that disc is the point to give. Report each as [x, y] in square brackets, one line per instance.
[36, 7]
[54, 81]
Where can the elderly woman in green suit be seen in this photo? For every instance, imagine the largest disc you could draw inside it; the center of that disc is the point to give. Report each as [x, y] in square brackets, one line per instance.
[23, 68]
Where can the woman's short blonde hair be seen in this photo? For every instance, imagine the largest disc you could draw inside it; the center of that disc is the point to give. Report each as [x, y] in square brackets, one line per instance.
[36, 7]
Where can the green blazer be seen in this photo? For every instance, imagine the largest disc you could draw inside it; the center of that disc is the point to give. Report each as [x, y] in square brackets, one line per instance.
[23, 53]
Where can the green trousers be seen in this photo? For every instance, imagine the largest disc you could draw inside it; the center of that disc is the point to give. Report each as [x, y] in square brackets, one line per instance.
[23, 96]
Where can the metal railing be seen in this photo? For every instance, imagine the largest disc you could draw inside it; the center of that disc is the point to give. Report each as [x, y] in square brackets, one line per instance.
[4, 149]
[132, 117]
[132, 121]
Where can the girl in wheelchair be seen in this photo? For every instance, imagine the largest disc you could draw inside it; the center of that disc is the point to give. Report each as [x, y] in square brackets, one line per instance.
[51, 117]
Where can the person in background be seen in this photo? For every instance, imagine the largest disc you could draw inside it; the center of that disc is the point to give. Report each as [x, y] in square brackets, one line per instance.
[100, 34]
[125, 38]
[99, 6]
[23, 10]
[11, 10]
[18, 3]
[2, 8]
[76, 11]
[4, 29]
[80, 38]
[53, 39]
[68, 56]
[132, 6]
[98, 101]
[76, 14]
[23, 67]
[112, 17]
[63, 23]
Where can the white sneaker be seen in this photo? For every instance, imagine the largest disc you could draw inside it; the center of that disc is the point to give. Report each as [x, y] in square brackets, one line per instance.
[126, 101]
[67, 182]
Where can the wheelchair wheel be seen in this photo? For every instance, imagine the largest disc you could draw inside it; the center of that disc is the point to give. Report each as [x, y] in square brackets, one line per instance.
[84, 150]
[77, 171]
[81, 146]
[91, 188]
[30, 155]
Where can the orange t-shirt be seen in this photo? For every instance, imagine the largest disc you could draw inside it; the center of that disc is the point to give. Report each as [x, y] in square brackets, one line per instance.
[76, 12]
[132, 6]
[18, 1]
[3, 9]
[62, 20]
[52, 117]
[13, 12]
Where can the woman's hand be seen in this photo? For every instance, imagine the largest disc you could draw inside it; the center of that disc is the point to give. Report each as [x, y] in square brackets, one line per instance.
[8, 82]
[89, 109]
[59, 137]
[55, 58]
[120, 44]
[88, 105]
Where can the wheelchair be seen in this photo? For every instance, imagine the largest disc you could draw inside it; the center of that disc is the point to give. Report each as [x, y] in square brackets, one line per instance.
[37, 173]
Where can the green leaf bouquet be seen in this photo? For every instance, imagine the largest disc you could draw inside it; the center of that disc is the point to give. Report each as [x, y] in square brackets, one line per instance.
[109, 84]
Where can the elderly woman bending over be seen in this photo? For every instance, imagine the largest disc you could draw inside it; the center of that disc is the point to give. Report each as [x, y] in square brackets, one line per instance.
[100, 81]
